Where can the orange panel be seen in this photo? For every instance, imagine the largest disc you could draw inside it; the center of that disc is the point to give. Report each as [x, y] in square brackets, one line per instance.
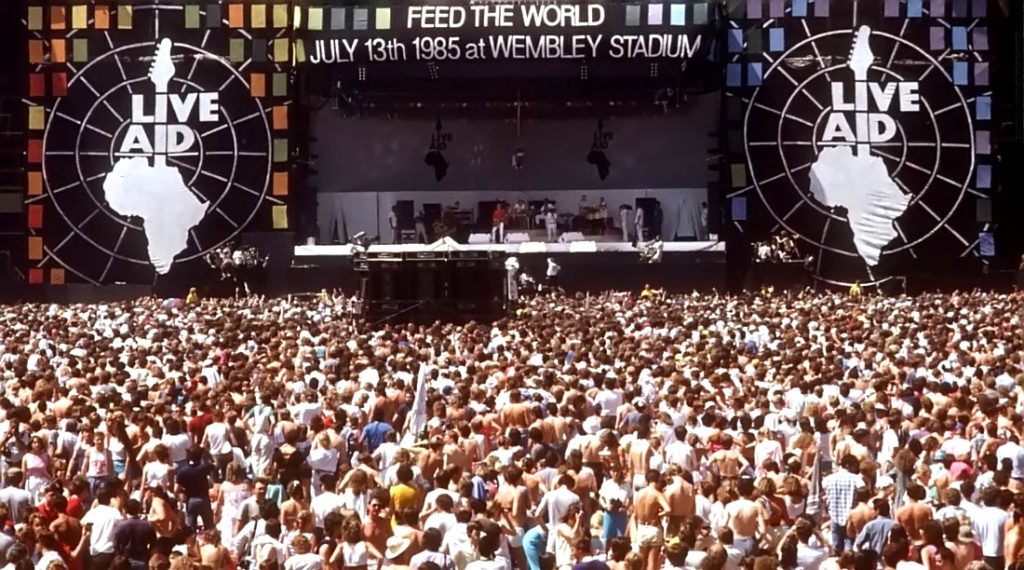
[35, 248]
[258, 85]
[280, 184]
[101, 17]
[58, 50]
[236, 16]
[35, 183]
[57, 276]
[35, 51]
[280, 118]
[58, 18]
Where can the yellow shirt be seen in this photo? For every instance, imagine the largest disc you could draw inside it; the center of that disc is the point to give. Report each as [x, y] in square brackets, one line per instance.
[404, 496]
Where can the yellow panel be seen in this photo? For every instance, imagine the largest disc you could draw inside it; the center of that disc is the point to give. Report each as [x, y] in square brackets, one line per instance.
[280, 216]
[79, 17]
[35, 17]
[316, 18]
[124, 17]
[280, 15]
[259, 16]
[36, 118]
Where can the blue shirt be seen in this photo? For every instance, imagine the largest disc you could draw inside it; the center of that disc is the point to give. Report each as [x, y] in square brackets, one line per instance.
[374, 434]
[874, 535]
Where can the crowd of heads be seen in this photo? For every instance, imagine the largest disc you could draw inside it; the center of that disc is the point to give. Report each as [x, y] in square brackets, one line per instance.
[617, 431]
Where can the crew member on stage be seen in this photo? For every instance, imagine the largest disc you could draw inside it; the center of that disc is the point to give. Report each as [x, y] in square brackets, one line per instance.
[624, 220]
[638, 221]
[551, 222]
[498, 224]
[602, 208]
[393, 223]
[421, 227]
[552, 273]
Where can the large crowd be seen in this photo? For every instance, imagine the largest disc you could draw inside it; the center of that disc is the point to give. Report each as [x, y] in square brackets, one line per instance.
[605, 432]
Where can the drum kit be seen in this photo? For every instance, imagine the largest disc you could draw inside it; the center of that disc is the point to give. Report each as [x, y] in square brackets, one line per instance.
[238, 266]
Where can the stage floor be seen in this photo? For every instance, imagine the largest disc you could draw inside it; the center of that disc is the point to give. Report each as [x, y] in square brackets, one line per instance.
[586, 265]
[529, 247]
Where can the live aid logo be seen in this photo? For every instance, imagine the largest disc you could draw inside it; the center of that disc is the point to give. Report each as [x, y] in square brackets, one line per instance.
[869, 110]
[151, 132]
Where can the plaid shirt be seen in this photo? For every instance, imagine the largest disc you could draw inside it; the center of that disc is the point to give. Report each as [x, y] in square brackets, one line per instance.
[839, 488]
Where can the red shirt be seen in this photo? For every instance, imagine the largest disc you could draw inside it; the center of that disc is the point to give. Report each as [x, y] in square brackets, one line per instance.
[498, 215]
[75, 509]
[197, 425]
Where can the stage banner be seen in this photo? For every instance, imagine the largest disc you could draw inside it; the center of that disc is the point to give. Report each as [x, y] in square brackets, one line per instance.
[156, 134]
[865, 129]
[467, 31]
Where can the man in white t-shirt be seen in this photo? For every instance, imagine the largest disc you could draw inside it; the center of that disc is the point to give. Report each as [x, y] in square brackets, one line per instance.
[100, 521]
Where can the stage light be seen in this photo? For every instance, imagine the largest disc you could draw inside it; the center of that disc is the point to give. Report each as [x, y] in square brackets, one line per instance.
[435, 156]
[517, 158]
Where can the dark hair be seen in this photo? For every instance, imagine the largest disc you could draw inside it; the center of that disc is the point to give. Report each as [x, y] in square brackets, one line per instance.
[432, 539]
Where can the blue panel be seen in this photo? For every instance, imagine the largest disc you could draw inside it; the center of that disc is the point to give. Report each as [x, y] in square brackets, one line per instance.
[915, 8]
[739, 209]
[800, 8]
[735, 40]
[983, 108]
[960, 72]
[777, 39]
[734, 75]
[984, 176]
[755, 72]
[959, 38]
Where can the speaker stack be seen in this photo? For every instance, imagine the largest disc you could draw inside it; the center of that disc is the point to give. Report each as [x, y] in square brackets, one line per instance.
[427, 286]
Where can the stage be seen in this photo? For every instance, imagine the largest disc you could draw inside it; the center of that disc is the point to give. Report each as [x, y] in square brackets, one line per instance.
[587, 266]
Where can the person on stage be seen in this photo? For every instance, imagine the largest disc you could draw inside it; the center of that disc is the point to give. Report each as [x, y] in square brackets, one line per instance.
[393, 223]
[498, 223]
[551, 222]
[638, 221]
[624, 220]
[421, 227]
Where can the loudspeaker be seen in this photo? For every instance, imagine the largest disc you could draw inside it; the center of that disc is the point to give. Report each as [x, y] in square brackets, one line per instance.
[279, 247]
[652, 216]
[484, 211]
[405, 212]
[426, 286]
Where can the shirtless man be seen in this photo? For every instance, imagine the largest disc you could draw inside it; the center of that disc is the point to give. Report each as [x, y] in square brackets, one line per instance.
[728, 461]
[531, 480]
[431, 460]
[454, 453]
[862, 513]
[651, 506]
[545, 425]
[516, 414]
[913, 515]
[746, 518]
[514, 500]
[638, 461]
[679, 494]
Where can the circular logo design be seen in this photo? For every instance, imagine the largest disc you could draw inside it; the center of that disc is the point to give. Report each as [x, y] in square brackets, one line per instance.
[157, 154]
[864, 155]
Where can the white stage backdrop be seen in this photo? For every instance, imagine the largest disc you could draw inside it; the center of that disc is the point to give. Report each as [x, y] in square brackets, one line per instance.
[343, 214]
